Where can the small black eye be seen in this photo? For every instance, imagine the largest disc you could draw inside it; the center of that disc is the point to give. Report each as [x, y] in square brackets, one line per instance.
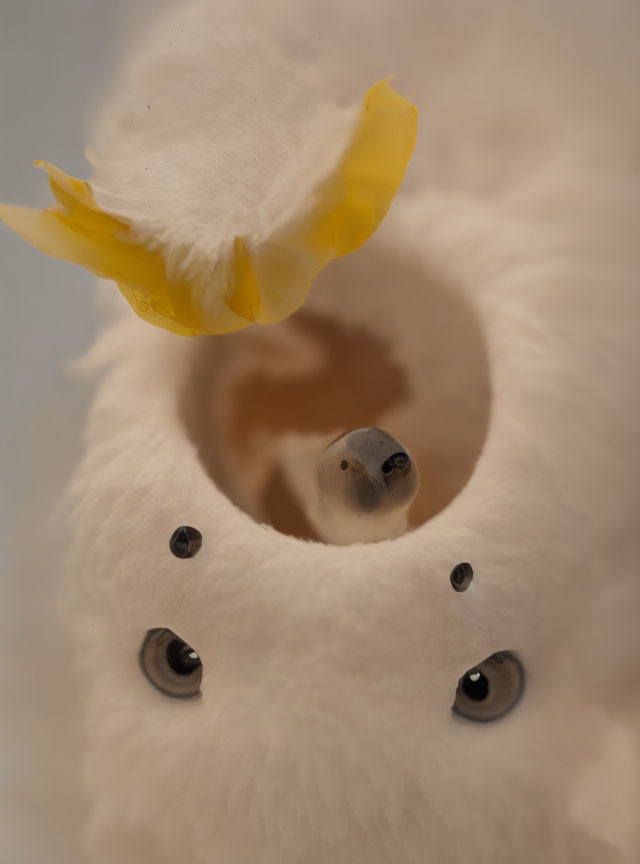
[398, 460]
[185, 541]
[490, 689]
[172, 666]
[344, 465]
[475, 685]
[461, 576]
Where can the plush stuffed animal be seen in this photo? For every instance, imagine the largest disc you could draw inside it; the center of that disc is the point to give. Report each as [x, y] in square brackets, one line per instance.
[251, 695]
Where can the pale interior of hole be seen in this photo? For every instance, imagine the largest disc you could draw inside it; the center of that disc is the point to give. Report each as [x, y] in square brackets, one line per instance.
[380, 342]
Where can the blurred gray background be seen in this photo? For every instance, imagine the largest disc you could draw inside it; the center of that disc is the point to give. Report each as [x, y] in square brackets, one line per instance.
[56, 61]
[55, 57]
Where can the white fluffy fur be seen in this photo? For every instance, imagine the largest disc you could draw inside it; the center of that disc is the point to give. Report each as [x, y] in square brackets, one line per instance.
[324, 732]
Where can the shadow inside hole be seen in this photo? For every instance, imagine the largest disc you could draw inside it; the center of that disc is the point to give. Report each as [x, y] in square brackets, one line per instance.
[379, 342]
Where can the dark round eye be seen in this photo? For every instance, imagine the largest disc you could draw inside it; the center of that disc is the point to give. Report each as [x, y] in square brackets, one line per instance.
[185, 541]
[398, 460]
[172, 666]
[461, 576]
[490, 689]
[344, 465]
[475, 685]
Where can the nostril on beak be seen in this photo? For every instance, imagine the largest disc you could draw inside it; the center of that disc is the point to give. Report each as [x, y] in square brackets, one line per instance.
[398, 460]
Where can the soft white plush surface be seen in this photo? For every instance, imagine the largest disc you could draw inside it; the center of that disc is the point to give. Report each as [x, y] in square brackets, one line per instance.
[324, 731]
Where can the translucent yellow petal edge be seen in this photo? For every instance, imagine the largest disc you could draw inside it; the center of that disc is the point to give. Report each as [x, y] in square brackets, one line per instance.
[264, 283]
[78, 230]
[345, 209]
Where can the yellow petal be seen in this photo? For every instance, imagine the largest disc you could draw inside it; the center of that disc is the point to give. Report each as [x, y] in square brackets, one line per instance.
[244, 298]
[346, 208]
[81, 232]
[152, 312]
[264, 282]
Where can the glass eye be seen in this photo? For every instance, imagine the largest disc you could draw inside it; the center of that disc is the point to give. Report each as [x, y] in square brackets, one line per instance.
[172, 666]
[185, 541]
[398, 460]
[461, 576]
[490, 689]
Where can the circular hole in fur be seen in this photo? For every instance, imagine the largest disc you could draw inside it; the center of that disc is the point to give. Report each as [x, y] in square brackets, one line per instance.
[380, 342]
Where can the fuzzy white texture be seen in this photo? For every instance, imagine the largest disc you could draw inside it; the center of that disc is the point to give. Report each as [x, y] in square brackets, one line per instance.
[218, 134]
[324, 731]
